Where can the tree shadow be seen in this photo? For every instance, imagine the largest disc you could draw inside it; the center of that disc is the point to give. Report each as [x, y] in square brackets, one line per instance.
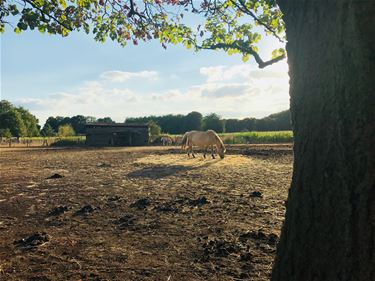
[162, 171]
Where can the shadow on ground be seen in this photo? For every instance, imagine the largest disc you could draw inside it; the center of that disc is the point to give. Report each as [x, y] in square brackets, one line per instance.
[162, 171]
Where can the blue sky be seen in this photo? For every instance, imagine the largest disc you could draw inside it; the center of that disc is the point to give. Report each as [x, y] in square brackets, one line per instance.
[51, 76]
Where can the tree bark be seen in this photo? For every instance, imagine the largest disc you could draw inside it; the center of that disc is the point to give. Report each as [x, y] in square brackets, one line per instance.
[329, 228]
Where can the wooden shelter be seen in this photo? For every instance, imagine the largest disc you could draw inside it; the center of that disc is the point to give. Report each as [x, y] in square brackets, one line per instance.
[117, 134]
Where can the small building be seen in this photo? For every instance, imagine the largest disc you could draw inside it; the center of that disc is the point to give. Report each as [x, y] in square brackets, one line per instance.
[117, 134]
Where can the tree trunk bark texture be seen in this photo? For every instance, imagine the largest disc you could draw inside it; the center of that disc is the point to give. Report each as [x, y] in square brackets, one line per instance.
[329, 228]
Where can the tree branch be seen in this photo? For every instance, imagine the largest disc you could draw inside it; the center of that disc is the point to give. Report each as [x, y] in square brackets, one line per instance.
[245, 10]
[48, 15]
[244, 49]
[133, 12]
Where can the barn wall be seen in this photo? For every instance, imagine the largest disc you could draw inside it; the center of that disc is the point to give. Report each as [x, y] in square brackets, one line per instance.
[98, 139]
[117, 136]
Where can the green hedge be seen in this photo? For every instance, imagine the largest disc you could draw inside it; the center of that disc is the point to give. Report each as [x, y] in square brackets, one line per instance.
[258, 137]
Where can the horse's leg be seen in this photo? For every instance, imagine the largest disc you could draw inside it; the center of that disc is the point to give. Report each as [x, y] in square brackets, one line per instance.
[212, 151]
[187, 146]
[192, 151]
[189, 149]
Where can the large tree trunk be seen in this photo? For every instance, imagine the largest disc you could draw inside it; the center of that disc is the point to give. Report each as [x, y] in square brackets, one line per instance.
[329, 229]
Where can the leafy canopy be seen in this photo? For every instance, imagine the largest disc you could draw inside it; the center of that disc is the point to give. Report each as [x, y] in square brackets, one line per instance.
[66, 131]
[229, 25]
[17, 121]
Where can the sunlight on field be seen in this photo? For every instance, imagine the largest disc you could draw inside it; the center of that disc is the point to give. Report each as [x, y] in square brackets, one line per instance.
[199, 161]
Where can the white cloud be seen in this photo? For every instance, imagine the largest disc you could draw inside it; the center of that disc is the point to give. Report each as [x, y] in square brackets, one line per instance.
[167, 96]
[240, 72]
[231, 91]
[123, 76]
[225, 73]
[92, 99]
[225, 90]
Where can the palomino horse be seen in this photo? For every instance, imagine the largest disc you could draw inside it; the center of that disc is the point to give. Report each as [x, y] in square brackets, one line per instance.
[204, 140]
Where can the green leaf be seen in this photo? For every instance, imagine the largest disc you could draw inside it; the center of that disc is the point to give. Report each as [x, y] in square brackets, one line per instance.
[278, 52]
[22, 25]
[42, 28]
[39, 3]
[17, 30]
[63, 4]
[245, 58]
[65, 32]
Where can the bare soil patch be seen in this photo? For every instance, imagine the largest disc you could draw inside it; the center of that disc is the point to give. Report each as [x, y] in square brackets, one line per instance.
[141, 213]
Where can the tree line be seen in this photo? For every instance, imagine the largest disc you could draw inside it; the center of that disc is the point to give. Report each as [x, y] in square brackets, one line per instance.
[179, 124]
[76, 125]
[19, 122]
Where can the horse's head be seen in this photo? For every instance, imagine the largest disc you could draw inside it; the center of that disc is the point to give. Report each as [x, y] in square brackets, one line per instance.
[219, 144]
[221, 150]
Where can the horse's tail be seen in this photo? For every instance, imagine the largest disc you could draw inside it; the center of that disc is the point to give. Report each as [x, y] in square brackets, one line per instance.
[184, 141]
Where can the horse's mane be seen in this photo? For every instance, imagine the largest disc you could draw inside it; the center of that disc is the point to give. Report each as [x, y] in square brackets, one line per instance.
[217, 137]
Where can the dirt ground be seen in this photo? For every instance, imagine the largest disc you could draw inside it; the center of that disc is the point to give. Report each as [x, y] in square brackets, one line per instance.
[147, 213]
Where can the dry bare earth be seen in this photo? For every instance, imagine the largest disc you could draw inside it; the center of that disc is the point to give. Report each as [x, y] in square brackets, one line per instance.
[141, 213]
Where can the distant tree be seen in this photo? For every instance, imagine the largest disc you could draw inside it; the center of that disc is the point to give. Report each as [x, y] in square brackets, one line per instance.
[54, 122]
[5, 106]
[47, 131]
[248, 124]
[30, 121]
[171, 124]
[66, 131]
[281, 120]
[213, 122]
[155, 129]
[65, 120]
[106, 120]
[78, 123]
[263, 124]
[90, 119]
[12, 120]
[138, 120]
[5, 133]
[232, 125]
[193, 121]
[275, 122]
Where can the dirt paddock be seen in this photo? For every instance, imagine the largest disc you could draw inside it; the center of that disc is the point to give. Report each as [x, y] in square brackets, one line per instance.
[146, 213]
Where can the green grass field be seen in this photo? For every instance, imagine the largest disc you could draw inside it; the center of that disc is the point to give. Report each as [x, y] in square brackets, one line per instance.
[57, 141]
[257, 137]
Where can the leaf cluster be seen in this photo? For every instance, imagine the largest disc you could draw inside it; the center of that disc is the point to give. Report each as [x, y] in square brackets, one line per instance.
[230, 25]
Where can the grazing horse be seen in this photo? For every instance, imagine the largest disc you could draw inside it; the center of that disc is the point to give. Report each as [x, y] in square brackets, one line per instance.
[166, 140]
[178, 140]
[204, 140]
